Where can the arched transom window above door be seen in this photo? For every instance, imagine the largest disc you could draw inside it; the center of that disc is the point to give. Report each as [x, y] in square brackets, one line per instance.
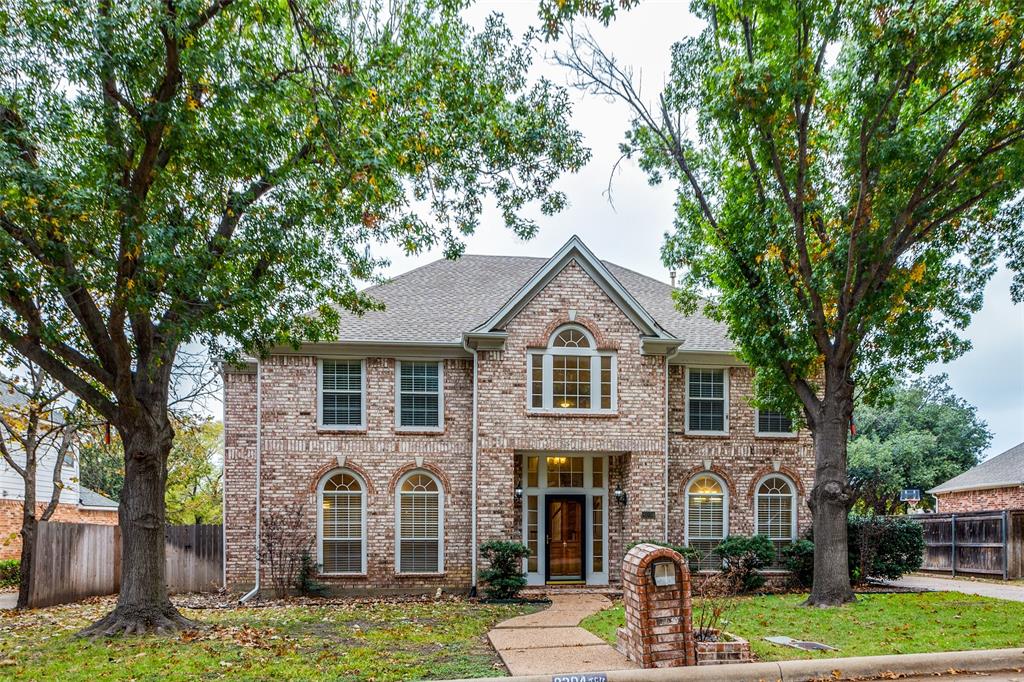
[571, 375]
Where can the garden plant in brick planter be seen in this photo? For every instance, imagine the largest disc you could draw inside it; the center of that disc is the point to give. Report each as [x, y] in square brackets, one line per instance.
[720, 647]
[715, 646]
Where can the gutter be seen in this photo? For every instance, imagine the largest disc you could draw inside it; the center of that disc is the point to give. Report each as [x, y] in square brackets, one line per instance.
[665, 477]
[259, 449]
[472, 503]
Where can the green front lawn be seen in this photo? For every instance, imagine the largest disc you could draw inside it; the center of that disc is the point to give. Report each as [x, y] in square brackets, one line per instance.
[391, 640]
[876, 624]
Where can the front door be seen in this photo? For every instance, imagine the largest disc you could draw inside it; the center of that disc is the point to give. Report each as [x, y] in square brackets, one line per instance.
[565, 536]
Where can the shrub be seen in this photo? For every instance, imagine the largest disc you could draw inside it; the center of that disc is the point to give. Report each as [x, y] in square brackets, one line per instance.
[799, 560]
[504, 577]
[877, 547]
[884, 546]
[10, 573]
[305, 581]
[744, 557]
[692, 556]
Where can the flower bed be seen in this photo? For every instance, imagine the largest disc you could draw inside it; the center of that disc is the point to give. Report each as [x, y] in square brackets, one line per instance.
[721, 648]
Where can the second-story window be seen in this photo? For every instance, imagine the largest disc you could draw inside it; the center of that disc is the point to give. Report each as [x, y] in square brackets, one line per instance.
[571, 375]
[420, 402]
[707, 401]
[773, 423]
[341, 394]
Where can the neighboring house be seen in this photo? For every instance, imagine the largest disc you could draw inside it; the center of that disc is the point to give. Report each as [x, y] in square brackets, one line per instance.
[77, 504]
[995, 484]
[565, 403]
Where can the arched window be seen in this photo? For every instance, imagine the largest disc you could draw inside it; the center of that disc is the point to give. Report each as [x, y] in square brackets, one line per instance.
[707, 518]
[419, 537]
[571, 375]
[341, 522]
[775, 512]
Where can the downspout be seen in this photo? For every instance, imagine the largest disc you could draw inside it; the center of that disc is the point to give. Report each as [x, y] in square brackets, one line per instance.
[259, 449]
[224, 481]
[668, 357]
[473, 459]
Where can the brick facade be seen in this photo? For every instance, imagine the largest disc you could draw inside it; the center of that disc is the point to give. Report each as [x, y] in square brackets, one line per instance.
[10, 522]
[989, 499]
[296, 453]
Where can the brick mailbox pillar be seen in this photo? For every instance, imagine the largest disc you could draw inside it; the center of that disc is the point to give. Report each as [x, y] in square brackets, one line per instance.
[659, 618]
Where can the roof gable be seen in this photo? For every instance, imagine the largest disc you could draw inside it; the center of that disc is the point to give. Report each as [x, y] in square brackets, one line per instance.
[576, 251]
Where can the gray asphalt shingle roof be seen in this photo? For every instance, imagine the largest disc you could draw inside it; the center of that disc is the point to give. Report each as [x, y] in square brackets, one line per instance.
[90, 498]
[437, 302]
[1003, 470]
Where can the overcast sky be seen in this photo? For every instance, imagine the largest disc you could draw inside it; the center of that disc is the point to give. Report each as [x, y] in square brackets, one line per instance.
[991, 376]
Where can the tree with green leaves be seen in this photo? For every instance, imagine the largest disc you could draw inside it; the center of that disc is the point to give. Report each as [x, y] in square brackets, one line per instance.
[195, 473]
[848, 172]
[919, 435]
[176, 171]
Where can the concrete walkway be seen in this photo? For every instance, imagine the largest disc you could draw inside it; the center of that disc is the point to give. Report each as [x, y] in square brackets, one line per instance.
[1013, 591]
[551, 641]
[8, 600]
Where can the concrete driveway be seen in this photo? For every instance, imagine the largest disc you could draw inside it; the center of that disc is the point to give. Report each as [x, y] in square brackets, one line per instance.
[1013, 591]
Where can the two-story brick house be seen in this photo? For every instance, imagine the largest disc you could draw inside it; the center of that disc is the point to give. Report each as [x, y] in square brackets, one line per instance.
[565, 403]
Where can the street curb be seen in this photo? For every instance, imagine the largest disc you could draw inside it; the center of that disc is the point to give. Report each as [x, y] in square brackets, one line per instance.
[986, 660]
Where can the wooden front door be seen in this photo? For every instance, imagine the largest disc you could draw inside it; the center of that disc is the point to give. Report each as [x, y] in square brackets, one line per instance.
[565, 536]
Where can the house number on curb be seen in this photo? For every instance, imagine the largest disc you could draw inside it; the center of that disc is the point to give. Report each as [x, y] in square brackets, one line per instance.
[582, 677]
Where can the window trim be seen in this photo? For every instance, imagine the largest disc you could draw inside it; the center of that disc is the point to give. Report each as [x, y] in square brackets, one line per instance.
[725, 402]
[547, 355]
[399, 427]
[320, 520]
[686, 504]
[792, 503]
[361, 426]
[770, 434]
[398, 523]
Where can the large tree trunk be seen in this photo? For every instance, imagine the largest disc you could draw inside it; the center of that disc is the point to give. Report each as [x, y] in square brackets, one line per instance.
[830, 498]
[143, 605]
[29, 526]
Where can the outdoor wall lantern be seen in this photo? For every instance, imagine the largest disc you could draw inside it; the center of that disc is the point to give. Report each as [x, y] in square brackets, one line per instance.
[519, 492]
[663, 573]
[620, 495]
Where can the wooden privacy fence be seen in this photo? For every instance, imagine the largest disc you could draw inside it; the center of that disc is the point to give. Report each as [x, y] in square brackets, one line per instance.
[78, 560]
[977, 543]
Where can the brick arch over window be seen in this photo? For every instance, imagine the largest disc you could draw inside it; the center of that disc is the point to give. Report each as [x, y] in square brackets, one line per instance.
[314, 482]
[689, 475]
[602, 342]
[426, 466]
[785, 471]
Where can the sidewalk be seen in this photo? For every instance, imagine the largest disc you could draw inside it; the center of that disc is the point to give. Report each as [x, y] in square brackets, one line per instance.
[1011, 591]
[551, 641]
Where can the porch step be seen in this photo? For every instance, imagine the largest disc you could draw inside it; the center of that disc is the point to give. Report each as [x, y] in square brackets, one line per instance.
[542, 590]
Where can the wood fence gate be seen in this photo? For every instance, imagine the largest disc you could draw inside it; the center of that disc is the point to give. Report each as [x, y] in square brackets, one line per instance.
[78, 560]
[977, 543]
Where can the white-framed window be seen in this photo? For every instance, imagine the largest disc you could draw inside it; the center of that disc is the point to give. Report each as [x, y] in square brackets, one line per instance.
[341, 388]
[341, 523]
[775, 512]
[571, 375]
[419, 524]
[419, 395]
[707, 517]
[707, 401]
[772, 423]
